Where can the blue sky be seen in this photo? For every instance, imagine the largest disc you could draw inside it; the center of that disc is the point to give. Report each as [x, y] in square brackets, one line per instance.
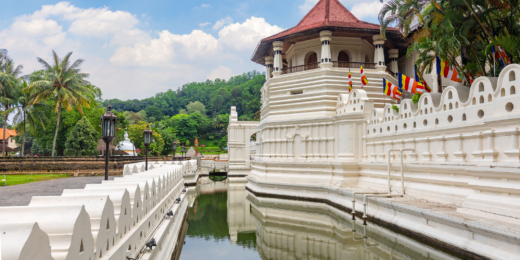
[135, 49]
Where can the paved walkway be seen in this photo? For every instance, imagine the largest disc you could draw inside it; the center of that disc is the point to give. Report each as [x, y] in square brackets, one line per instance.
[20, 195]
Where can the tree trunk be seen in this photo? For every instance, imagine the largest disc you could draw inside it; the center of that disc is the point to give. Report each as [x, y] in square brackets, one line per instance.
[23, 140]
[3, 141]
[57, 127]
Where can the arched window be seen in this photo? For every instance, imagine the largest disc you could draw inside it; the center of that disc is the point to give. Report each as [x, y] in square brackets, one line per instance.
[311, 60]
[343, 59]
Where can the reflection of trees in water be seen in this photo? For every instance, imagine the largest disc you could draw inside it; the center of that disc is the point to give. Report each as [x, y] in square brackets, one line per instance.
[208, 219]
[247, 240]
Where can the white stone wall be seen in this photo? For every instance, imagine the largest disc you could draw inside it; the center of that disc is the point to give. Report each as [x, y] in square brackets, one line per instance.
[465, 141]
[103, 221]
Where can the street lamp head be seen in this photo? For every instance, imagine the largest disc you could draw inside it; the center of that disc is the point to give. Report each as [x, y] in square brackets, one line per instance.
[174, 145]
[147, 136]
[108, 125]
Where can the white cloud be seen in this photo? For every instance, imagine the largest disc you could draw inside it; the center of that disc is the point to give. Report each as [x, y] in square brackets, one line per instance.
[204, 24]
[204, 5]
[246, 35]
[220, 73]
[367, 10]
[307, 6]
[220, 23]
[126, 61]
[96, 22]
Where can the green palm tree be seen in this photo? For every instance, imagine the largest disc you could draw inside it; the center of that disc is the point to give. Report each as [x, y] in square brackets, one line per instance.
[401, 13]
[28, 113]
[217, 122]
[64, 85]
[9, 74]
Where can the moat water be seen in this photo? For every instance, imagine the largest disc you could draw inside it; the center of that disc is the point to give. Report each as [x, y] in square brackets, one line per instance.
[225, 221]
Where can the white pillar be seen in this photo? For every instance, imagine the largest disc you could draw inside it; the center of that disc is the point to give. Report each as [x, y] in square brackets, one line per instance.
[278, 63]
[394, 54]
[379, 55]
[326, 56]
[268, 67]
[435, 78]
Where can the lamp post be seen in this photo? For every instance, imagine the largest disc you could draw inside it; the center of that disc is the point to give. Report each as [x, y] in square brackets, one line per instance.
[183, 150]
[108, 125]
[147, 138]
[174, 146]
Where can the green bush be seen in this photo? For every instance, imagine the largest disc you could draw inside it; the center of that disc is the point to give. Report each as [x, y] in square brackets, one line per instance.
[215, 142]
[211, 137]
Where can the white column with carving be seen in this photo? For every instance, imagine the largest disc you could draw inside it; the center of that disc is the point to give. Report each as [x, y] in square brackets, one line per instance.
[278, 63]
[269, 61]
[326, 56]
[379, 55]
[393, 54]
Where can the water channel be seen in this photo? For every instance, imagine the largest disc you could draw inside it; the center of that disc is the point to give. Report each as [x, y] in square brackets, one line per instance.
[225, 221]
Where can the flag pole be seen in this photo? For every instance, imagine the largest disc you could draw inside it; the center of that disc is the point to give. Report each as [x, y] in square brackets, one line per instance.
[494, 62]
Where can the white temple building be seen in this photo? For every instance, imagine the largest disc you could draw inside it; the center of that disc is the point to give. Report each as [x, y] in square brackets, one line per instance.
[446, 168]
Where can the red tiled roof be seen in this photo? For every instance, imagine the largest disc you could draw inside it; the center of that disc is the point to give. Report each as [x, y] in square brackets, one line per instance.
[327, 13]
[8, 133]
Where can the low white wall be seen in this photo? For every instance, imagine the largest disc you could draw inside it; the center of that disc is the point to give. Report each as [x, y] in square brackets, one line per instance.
[102, 221]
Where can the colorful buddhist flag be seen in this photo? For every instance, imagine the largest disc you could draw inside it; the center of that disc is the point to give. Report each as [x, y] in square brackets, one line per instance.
[501, 55]
[426, 87]
[470, 79]
[349, 81]
[418, 79]
[364, 80]
[409, 84]
[448, 72]
[391, 90]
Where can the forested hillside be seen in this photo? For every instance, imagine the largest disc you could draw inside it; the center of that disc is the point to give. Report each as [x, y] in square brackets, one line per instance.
[51, 124]
[218, 96]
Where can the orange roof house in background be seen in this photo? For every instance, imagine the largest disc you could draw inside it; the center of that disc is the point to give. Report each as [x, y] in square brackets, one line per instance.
[9, 138]
[8, 133]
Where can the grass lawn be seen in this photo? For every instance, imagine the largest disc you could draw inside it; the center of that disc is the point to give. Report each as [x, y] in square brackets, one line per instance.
[21, 179]
[209, 143]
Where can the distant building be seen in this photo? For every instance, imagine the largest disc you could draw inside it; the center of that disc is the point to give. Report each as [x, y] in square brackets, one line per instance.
[126, 147]
[9, 139]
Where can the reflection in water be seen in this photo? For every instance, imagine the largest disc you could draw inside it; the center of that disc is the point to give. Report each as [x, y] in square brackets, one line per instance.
[220, 222]
[305, 230]
[226, 222]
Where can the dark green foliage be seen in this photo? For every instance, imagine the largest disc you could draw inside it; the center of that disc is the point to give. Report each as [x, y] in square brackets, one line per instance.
[218, 96]
[223, 143]
[155, 112]
[82, 139]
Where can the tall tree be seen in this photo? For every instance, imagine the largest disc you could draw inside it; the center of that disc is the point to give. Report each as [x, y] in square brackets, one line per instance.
[64, 84]
[9, 74]
[196, 106]
[28, 113]
[82, 140]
